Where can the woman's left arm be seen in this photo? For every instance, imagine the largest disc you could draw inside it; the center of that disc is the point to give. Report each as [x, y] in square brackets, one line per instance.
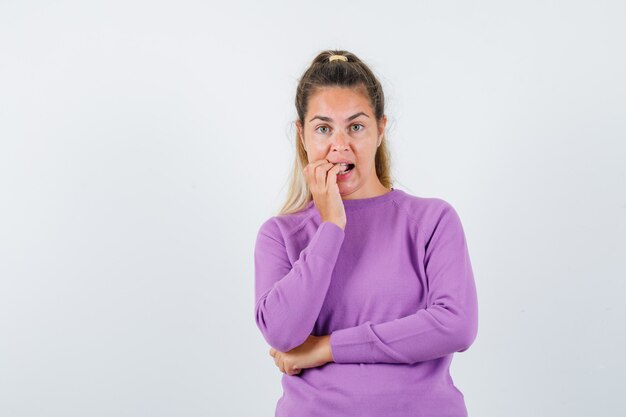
[448, 324]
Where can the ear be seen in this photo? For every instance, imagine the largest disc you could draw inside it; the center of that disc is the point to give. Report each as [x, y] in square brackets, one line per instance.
[300, 132]
[381, 129]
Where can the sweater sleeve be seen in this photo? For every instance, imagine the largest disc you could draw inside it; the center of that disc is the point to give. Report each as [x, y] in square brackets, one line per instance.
[289, 297]
[448, 324]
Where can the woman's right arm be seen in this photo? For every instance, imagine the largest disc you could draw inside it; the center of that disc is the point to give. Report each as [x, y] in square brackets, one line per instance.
[289, 297]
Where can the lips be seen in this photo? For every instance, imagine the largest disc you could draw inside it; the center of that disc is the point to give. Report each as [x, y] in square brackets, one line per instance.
[349, 166]
[344, 175]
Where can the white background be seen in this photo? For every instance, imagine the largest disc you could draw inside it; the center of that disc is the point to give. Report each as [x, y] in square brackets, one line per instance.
[142, 144]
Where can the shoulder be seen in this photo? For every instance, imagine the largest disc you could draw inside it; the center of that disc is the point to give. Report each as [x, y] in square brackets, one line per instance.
[282, 226]
[430, 215]
[424, 210]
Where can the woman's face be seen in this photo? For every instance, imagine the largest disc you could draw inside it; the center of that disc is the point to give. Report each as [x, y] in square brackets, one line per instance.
[340, 126]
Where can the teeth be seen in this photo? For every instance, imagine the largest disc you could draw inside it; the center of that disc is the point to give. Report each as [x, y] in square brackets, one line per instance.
[345, 164]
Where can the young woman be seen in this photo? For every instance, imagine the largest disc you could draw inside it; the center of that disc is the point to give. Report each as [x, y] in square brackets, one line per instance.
[363, 291]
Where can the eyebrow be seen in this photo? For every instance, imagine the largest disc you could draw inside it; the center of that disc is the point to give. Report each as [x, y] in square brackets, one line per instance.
[328, 119]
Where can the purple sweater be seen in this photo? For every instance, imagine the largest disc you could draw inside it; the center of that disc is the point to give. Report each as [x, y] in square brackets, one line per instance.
[395, 291]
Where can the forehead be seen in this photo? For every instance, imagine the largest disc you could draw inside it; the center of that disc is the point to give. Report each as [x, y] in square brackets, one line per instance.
[338, 101]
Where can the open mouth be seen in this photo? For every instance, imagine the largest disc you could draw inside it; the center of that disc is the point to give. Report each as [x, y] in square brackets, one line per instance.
[348, 168]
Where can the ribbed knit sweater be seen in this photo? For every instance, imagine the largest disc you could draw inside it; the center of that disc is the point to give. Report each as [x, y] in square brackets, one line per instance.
[394, 289]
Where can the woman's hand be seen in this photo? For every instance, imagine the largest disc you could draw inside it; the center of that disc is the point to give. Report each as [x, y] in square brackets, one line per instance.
[315, 351]
[321, 176]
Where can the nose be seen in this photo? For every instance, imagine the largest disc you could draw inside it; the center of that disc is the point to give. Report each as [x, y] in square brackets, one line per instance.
[339, 141]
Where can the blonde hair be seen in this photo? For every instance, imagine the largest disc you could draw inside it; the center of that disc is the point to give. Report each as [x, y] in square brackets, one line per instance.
[323, 72]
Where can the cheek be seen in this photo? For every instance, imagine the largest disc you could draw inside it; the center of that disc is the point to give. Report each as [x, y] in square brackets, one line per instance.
[366, 156]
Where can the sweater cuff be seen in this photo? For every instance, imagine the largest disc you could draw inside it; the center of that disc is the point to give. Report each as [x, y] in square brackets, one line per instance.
[326, 242]
[352, 345]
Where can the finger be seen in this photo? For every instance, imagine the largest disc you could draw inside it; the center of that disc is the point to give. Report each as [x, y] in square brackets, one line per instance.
[272, 352]
[288, 366]
[319, 162]
[311, 166]
[309, 171]
[319, 176]
[331, 178]
[321, 171]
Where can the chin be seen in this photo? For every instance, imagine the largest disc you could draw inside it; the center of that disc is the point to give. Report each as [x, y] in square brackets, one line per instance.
[344, 189]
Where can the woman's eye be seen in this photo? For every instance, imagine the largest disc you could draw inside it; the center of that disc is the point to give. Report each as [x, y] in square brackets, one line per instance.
[322, 127]
[357, 130]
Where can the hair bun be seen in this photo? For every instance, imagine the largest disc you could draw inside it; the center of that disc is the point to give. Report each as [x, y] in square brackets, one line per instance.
[336, 57]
